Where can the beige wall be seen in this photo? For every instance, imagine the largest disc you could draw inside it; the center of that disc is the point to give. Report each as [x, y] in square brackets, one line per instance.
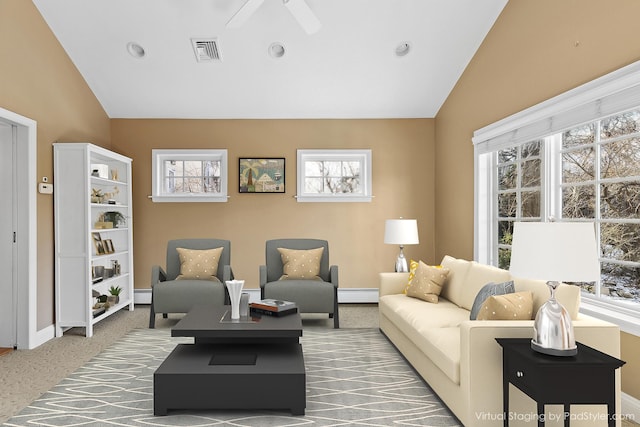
[402, 157]
[536, 50]
[39, 81]
[630, 348]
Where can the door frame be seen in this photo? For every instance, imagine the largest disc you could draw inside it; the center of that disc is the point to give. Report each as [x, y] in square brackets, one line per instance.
[28, 335]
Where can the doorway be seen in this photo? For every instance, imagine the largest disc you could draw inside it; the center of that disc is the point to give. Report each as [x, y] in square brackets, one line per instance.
[18, 233]
[8, 287]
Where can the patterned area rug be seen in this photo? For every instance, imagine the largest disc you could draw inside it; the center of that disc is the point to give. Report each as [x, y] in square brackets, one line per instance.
[355, 377]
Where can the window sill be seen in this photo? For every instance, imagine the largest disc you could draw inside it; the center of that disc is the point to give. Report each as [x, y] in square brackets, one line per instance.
[339, 199]
[627, 320]
[188, 199]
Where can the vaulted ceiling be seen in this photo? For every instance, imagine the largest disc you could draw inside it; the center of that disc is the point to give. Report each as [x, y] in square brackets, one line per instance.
[348, 68]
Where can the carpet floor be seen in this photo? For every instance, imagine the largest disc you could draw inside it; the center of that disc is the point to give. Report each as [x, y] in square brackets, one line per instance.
[355, 377]
[26, 374]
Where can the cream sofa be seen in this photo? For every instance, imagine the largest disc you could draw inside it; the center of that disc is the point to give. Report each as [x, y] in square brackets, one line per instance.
[459, 358]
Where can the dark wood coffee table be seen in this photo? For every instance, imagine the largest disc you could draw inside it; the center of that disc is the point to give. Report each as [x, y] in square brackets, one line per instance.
[254, 363]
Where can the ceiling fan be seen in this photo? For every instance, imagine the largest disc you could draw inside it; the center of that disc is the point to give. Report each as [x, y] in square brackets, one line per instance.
[298, 8]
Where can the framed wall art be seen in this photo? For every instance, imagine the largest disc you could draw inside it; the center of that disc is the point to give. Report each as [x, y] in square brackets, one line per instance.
[261, 175]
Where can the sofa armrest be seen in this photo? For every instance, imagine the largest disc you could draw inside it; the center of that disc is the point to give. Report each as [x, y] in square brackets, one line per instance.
[393, 283]
[227, 273]
[481, 355]
[157, 275]
[333, 275]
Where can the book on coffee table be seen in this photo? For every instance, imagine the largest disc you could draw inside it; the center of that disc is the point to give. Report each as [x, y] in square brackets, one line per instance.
[279, 313]
[273, 305]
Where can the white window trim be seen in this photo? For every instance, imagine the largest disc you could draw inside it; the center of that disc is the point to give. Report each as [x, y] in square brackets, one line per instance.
[608, 95]
[364, 156]
[158, 156]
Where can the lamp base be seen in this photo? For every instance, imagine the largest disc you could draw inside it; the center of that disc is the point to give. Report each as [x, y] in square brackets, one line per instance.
[554, 351]
[401, 263]
[552, 329]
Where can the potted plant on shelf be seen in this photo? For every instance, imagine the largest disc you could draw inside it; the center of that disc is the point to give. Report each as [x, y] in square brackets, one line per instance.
[116, 218]
[114, 298]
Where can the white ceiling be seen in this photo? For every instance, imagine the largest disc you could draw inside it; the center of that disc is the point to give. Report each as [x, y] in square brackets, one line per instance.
[348, 69]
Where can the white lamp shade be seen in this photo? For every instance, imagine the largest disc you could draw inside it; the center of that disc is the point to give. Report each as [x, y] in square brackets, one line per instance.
[401, 232]
[556, 251]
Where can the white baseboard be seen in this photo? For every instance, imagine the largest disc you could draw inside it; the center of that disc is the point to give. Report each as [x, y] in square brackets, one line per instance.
[358, 295]
[630, 408]
[142, 296]
[345, 295]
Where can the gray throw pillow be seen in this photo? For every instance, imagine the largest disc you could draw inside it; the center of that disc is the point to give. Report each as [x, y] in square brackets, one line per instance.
[488, 290]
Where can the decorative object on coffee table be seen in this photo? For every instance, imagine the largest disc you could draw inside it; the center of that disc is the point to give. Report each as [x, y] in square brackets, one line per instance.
[554, 251]
[234, 287]
[244, 305]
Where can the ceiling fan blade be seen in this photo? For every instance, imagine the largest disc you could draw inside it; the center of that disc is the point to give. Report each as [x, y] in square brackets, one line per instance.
[244, 13]
[304, 15]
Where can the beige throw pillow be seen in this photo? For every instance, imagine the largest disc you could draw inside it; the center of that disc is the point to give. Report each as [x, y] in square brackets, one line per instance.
[427, 282]
[516, 306]
[199, 264]
[300, 264]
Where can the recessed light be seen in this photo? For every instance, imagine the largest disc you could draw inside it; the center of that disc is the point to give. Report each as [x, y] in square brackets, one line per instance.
[403, 49]
[135, 50]
[276, 50]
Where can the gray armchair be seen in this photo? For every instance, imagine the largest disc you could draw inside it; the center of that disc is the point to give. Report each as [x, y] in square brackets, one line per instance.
[311, 296]
[169, 295]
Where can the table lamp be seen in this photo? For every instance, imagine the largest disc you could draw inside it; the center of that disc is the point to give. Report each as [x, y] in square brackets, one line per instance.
[401, 232]
[554, 251]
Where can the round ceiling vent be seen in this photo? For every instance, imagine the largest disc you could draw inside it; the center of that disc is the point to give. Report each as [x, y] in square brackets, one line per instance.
[276, 50]
[403, 49]
[135, 50]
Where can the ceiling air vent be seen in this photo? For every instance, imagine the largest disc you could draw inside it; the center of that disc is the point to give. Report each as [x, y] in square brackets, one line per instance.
[206, 50]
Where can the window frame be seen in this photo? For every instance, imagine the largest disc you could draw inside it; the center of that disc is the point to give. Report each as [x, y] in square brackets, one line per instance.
[611, 94]
[159, 156]
[361, 155]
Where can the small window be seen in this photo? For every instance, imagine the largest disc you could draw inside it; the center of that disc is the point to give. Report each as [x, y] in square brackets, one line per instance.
[334, 176]
[189, 175]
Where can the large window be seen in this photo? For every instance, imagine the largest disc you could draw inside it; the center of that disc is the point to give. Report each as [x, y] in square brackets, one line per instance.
[573, 158]
[334, 176]
[189, 175]
[599, 170]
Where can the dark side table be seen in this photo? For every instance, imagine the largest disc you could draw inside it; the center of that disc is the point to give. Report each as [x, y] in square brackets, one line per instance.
[587, 378]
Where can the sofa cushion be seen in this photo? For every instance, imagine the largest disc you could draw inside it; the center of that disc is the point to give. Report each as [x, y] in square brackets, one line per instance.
[301, 263]
[442, 346]
[515, 306]
[414, 313]
[488, 290]
[199, 264]
[567, 295]
[478, 276]
[427, 282]
[458, 269]
[433, 328]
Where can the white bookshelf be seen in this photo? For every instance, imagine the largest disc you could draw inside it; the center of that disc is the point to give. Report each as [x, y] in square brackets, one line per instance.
[77, 213]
